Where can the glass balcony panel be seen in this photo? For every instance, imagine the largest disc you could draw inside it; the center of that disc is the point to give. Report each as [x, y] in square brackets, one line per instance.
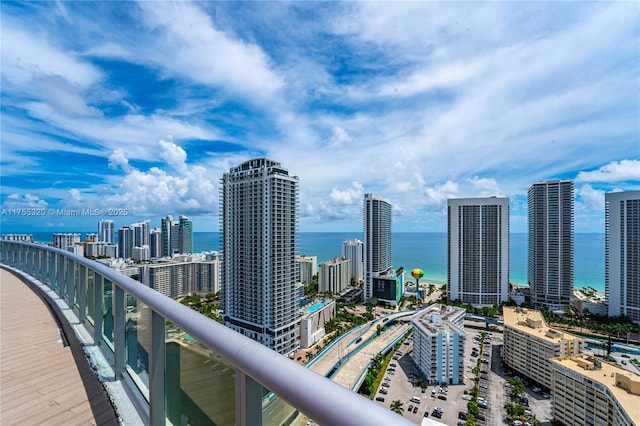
[107, 312]
[200, 386]
[51, 269]
[91, 288]
[137, 342]
[64, 287]
[76, 277]
[275, 411]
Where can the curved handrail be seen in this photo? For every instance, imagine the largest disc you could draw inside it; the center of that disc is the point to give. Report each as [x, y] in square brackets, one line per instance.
[316, 396]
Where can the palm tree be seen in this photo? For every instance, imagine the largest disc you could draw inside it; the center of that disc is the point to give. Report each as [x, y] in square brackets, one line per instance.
[309, 355]
[397, 406]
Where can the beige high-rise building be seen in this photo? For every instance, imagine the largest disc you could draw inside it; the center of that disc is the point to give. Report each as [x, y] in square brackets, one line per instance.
[529, 345]
[587, 391]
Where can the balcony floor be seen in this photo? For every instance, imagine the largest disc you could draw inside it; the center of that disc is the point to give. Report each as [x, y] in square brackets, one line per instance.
[41, 380]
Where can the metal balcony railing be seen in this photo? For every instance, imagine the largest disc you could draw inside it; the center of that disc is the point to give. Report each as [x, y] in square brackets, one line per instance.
[183, 366]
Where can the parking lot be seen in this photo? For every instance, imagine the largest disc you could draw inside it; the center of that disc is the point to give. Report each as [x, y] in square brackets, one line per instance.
[399, 385]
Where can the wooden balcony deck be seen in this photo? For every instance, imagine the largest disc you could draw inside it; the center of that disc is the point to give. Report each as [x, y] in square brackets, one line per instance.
[43, 382]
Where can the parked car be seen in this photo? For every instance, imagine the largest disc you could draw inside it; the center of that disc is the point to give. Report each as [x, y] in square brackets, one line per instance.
[442, 397]
[384, 391]
[415, 409]
[380, 399]
[410, 408]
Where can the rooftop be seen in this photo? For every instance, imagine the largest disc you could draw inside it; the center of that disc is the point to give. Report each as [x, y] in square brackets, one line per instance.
[439, 318]
[532, 322]
[610, 376]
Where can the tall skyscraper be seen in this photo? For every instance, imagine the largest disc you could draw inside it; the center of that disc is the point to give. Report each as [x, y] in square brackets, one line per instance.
[259, 213]
[106, 231]
[550, 247]
[377, 240]
[185, 232]
[170, 235]
[478, 250]
[125, 242]
[155, 240]
[622, 253]
[141, 233]
[352, 249]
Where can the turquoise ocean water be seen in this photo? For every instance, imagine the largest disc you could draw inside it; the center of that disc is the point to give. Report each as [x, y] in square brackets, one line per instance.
[428, 251]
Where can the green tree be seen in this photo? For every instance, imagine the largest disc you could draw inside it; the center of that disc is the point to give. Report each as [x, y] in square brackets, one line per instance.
[397, 406]
[472, 407]
[378, 330]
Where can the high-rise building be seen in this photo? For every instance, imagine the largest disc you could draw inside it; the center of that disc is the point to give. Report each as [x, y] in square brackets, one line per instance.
[334, 275]
[185, 232]
[478, 250]
[141, 233]
[622, 253]
[155, 240]
[377, 240]
[438, 343]
[352, 249]
[62, 241]
[259, 213]
[307, 267]
[178, 278]
[170, 235]
[125, 242]
[177, 235]
[550, 247]
[106, 231]
[91, 237]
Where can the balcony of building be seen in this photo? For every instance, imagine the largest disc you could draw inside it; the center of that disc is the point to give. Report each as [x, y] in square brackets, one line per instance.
[134, 356]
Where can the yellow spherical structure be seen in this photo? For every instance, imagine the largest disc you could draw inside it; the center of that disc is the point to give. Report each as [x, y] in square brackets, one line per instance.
[417, 273]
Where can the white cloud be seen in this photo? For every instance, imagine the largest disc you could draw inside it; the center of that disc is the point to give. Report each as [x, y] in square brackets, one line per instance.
[188, 44]
[339, 137]
[437, 195]
[348, 196]
[615, 171]
[486, 187]
[23, 201]
[26, 57]
[592, 199]
[188, 189]
[118, 159]
[174, 155]
[75, 194]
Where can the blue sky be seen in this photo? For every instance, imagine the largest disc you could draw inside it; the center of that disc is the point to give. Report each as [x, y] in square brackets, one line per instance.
[143, 106]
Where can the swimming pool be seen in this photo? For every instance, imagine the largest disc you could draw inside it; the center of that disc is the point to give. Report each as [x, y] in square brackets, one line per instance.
[314, 307]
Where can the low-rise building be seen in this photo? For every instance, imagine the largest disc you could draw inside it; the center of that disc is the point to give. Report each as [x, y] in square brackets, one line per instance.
[388, 286]
[587, 391]
[530, 344]
[312, 322]
[438, 343]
